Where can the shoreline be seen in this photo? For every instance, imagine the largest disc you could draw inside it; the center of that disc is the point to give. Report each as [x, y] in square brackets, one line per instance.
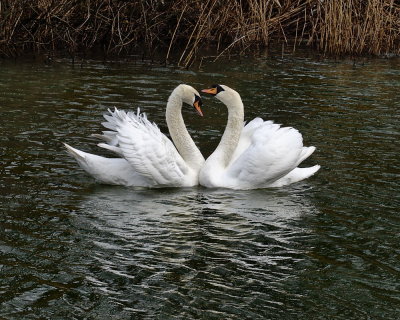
[204, 58]
[180, 31]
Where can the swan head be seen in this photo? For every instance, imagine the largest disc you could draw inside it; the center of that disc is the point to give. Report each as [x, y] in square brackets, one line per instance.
[190, 96]
[223, 93]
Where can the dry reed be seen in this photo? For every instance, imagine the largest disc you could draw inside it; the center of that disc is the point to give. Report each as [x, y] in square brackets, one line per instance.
[166, 28]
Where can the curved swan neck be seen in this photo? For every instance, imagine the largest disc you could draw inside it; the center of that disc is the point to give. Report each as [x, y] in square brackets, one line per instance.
[230, 138]
[179, 134]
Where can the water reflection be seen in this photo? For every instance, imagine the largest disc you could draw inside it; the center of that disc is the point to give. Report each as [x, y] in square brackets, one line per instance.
[324, 248]
[192, 247]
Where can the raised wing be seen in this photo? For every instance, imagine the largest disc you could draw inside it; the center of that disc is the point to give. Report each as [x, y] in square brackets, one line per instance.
[273, 152]
[148, 150]
[110, 136]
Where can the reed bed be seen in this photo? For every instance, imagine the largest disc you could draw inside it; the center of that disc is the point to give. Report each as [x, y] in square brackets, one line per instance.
[179, 30]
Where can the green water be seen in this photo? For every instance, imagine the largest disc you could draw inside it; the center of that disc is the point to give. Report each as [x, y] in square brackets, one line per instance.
[324, 248]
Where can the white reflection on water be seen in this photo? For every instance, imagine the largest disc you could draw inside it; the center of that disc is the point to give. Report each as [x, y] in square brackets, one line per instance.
[200, 244]
[123, 208]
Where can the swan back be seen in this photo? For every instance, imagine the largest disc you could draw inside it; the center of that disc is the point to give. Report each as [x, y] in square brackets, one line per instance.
[262, 154]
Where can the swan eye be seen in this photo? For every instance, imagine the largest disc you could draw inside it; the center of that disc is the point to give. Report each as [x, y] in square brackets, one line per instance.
[197, 104]
[218, 87]
[197, 98]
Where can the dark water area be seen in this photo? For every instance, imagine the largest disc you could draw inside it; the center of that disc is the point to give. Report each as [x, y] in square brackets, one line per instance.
[324, 248]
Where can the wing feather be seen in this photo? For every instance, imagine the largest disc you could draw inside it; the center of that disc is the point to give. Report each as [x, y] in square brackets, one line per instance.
[273, 152]
[245, 137]
[148, 150]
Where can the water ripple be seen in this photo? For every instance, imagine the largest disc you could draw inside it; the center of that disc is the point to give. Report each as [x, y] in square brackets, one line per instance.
[324, 248]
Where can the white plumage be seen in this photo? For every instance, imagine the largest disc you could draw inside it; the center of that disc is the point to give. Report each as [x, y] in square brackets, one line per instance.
[147, 158]
[259, 155]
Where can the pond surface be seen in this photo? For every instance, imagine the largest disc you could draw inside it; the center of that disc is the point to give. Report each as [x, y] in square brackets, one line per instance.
[324, 248]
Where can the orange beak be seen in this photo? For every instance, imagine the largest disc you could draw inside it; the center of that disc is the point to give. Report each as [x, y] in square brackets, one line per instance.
[196, 104]
[212, 91]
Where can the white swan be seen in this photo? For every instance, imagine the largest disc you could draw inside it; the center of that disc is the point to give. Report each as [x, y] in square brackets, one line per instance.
[258, 155]
[147, 158]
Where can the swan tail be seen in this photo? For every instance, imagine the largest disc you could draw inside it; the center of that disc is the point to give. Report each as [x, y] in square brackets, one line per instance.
[77, 154]
[115, 171]
[305, 153]
[82, 158]
[295, 175]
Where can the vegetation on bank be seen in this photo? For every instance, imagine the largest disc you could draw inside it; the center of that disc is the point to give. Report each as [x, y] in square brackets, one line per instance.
[149, 27]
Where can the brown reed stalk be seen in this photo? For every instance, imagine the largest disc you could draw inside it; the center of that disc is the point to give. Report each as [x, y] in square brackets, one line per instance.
[356, 27]
[173, 35]
[336, 27]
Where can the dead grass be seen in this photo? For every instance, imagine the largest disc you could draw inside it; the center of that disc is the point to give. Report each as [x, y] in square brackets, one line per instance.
[356, 27]
[181, 28]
